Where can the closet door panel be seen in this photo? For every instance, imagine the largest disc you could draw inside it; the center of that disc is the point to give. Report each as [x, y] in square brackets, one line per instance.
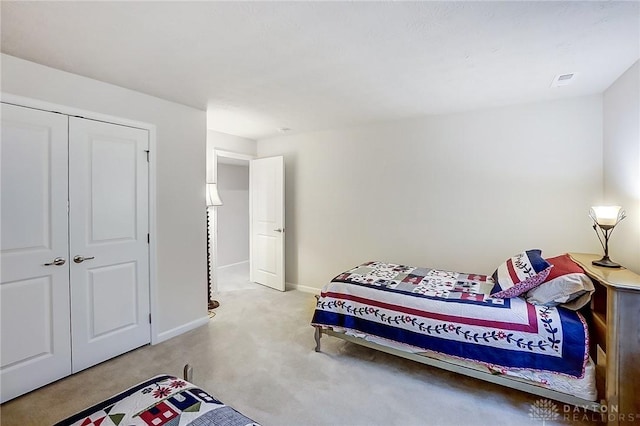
[113, 210]
[35, 346]
[108, 184]
[112, 298]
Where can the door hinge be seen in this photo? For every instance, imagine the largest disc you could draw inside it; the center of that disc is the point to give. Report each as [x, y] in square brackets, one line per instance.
[147, 151]
[149, 318]
[148, 239]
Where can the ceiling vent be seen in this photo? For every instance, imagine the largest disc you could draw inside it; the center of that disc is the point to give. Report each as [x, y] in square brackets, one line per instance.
[563, 79]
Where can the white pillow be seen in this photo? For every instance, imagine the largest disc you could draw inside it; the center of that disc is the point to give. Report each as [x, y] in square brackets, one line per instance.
[572, 291]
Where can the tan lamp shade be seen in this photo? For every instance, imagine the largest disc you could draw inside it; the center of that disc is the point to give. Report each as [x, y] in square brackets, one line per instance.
[607, 215]
[213, 198]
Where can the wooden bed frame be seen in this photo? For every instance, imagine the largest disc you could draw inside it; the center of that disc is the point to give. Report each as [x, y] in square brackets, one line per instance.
[614, 330]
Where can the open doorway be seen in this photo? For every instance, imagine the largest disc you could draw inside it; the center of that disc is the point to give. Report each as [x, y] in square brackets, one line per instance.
[232, 223]
[246, 245]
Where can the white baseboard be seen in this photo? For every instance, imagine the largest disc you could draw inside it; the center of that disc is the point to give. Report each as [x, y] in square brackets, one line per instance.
[303, 288]
[166, 335]
[233, 264]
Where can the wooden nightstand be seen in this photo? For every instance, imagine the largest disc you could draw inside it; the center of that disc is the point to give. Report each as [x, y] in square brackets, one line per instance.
[615, 336]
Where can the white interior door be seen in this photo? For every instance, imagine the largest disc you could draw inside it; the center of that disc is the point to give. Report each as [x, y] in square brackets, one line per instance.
[267, 221]
[108, 217]
[34, 313]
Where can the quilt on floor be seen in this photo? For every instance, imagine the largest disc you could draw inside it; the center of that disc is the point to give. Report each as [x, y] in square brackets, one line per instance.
[160, 401]
[454, 314]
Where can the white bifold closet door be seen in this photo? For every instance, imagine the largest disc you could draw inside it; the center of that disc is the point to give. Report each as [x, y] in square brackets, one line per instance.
[74, 278]
[35, 343]
[108, 228]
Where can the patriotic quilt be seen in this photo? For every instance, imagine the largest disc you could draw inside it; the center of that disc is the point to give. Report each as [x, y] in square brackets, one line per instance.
[163, 400]
[453, 313]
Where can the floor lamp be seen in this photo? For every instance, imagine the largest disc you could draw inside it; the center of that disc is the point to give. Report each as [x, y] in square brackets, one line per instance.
[213, 200]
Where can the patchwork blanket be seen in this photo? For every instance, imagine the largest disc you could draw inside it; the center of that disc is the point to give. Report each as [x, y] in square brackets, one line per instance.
[162, 400]
[452, 313]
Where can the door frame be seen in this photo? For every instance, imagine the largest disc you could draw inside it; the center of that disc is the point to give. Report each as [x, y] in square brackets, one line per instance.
[151, 128]
[217, 153]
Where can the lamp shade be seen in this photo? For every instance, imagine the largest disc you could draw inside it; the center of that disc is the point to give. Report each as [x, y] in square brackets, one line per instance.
[607, 215]
[213, 198]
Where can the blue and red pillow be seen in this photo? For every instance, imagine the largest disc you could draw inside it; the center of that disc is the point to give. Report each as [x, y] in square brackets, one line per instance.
[519, 274]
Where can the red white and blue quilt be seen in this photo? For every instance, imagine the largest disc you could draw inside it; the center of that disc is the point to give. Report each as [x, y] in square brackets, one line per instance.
[160, 401]
[453, 313]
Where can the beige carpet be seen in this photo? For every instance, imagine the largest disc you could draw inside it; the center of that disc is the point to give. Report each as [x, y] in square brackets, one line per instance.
[257, 356]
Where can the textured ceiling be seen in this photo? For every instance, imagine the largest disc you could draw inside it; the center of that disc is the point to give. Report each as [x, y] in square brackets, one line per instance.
[260, 66]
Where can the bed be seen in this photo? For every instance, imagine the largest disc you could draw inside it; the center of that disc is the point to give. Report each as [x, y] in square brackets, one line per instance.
[454, 321]
[161, 400]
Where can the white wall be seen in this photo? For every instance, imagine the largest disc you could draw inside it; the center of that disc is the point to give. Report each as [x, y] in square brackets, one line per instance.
[233, 215]
[621, 108]
[180, 180]
[460, 191]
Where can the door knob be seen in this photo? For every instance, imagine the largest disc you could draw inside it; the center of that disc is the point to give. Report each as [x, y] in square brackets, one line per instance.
[279, 230]
[80, 259]
[58, 261]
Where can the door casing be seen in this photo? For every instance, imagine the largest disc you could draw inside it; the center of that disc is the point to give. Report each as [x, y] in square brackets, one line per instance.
[214, 232]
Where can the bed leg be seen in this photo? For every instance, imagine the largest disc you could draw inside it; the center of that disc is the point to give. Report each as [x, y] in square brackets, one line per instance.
[188, 372]
[317, 334]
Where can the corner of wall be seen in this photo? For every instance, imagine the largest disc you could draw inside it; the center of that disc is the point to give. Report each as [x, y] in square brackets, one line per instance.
[621, 162]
